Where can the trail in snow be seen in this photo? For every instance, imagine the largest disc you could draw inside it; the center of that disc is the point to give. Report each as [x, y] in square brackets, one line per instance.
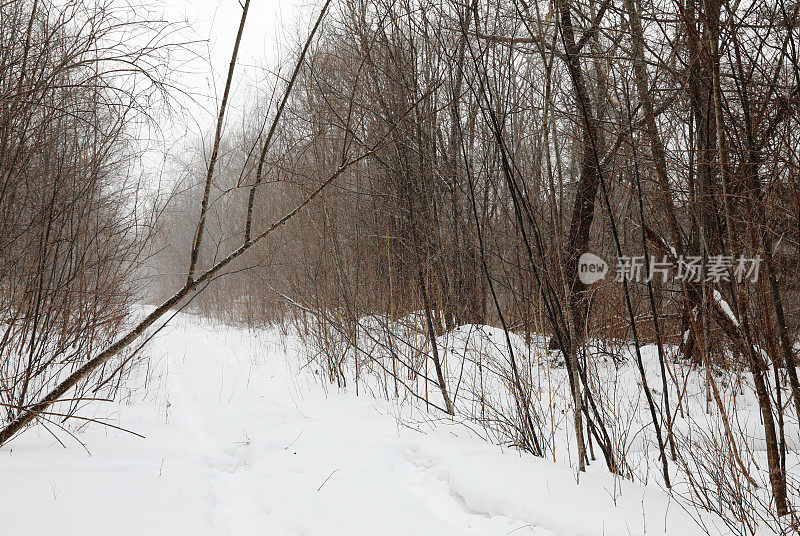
[241, 441]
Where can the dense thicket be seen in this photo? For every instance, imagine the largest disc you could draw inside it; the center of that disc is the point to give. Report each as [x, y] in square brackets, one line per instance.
[71, 95]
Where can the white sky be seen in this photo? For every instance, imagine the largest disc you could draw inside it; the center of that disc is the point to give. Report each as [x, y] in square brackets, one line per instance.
[272, 34]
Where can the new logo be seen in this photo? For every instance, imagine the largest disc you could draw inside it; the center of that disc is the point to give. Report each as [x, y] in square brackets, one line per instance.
[591, 268]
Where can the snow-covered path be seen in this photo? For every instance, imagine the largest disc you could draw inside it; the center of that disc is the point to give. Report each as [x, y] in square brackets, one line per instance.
[241, 440]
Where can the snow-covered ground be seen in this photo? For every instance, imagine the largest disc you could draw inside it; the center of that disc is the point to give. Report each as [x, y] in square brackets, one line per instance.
[241, 438]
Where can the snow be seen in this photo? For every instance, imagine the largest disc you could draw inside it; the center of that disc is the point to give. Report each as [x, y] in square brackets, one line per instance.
[725, 307]
[243, 438]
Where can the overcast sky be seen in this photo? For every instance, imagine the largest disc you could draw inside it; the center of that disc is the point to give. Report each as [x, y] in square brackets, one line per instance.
[272, 34]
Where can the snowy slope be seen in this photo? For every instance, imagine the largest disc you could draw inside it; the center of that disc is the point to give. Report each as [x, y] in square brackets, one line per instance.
[242, 439]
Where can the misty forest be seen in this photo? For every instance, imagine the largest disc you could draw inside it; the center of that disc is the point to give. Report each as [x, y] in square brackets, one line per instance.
[391, 267]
